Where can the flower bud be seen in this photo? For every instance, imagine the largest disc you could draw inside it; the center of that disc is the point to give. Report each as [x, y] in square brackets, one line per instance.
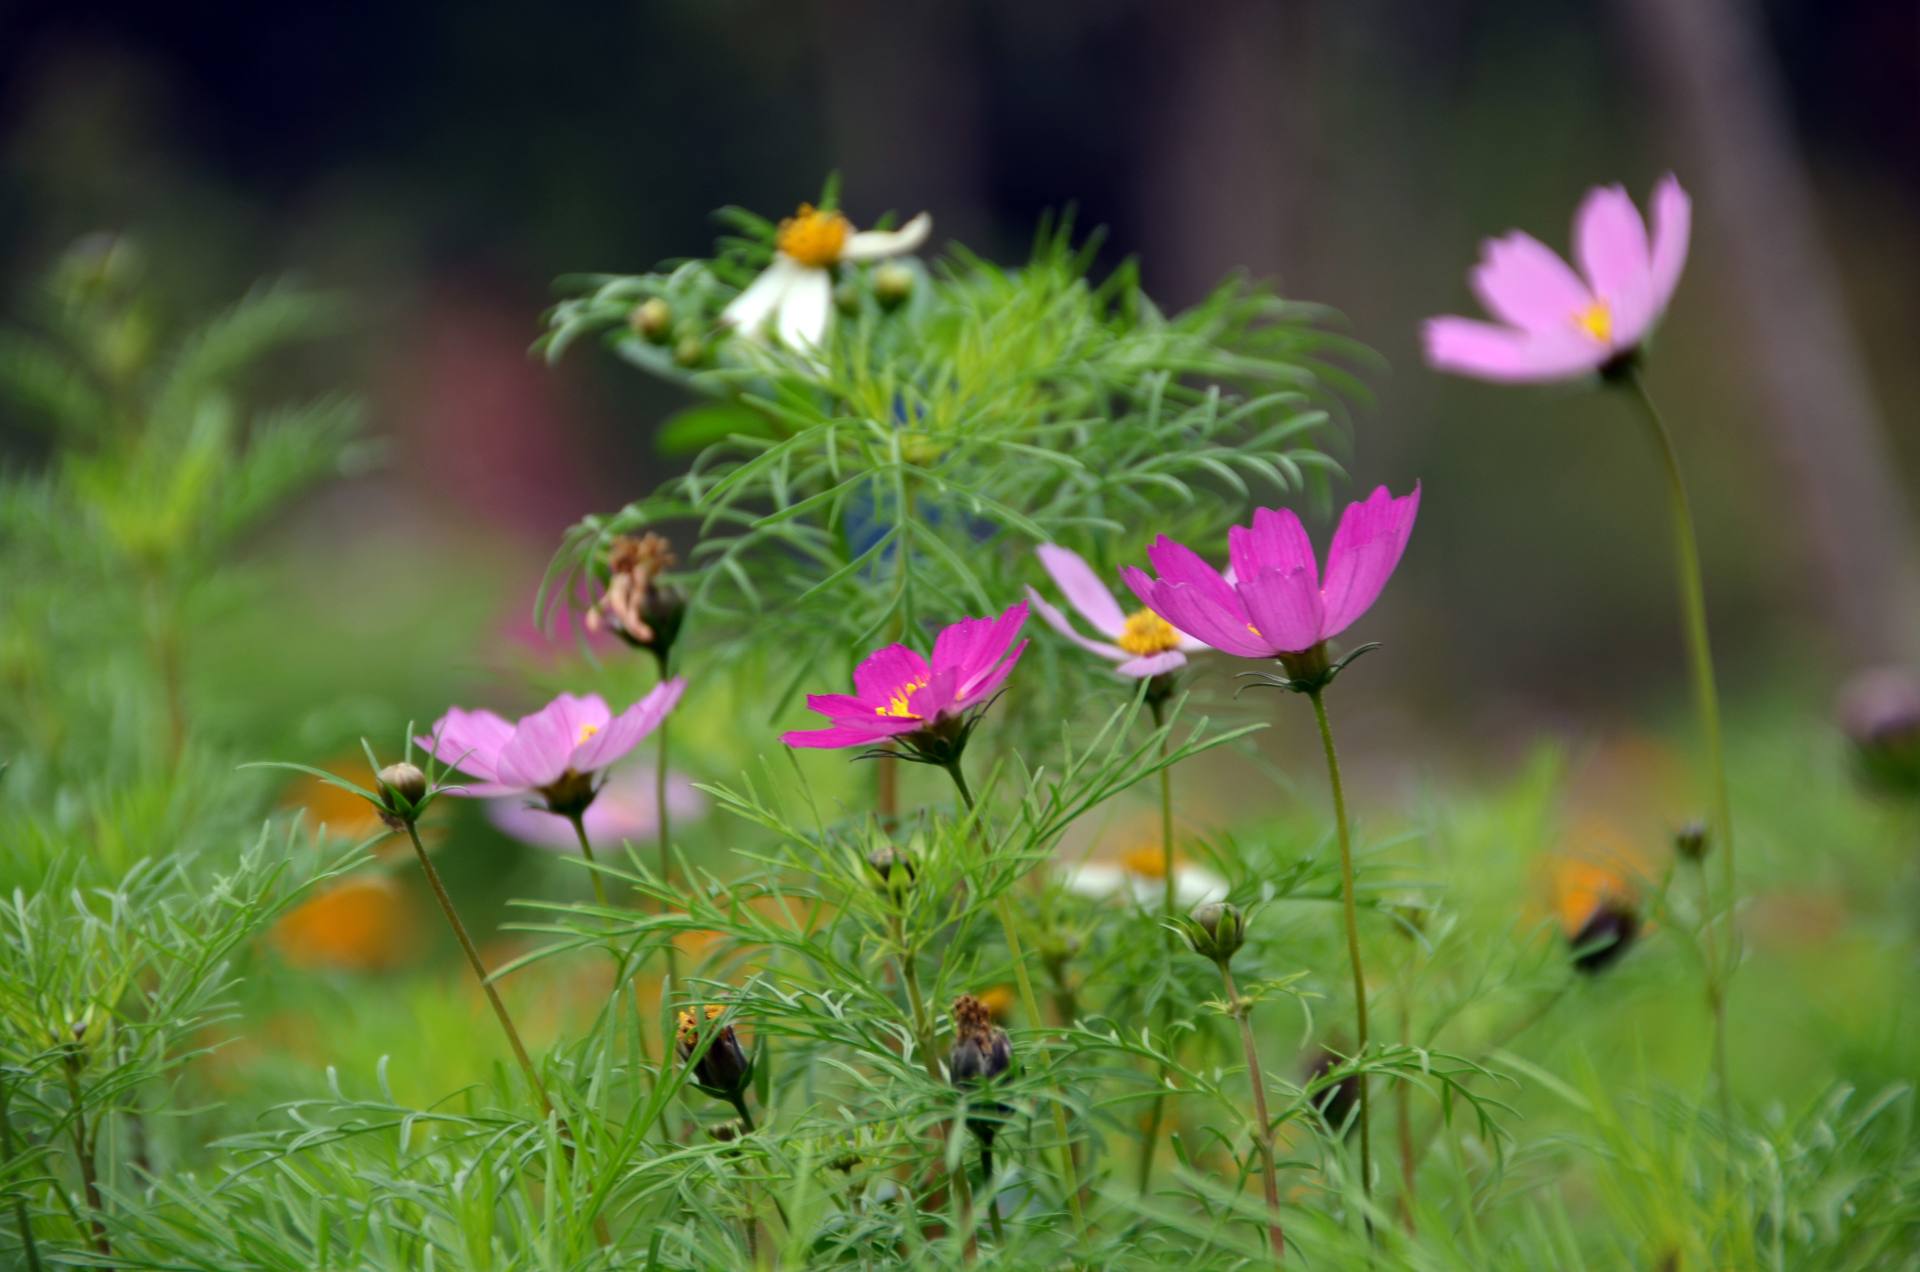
[1338, 1101]
[893, 870]
[402, 787]
[1606, 935]
[981, 1052]
[723, 1071]
[892, 284]
[1216, 930]
[652, 320]
[1690, 842]
[1880, 714]
[690, 351]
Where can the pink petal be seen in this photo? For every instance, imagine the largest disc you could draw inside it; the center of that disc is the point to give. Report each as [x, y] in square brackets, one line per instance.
[1672, 226]
[972, 648]
[1507, 355]
[884, 672]
[1610, 242]
[1285, 606]
[1188, 609]
[470, 740]
[540, 748]
[1082, 588]
[1177, 563]
[1366, 547]
[1523, 282]
[839, 735]
[1060, 623]
[1149, 665]
[840, 706]
[984, 687]
[1276, 541]
[624, 731]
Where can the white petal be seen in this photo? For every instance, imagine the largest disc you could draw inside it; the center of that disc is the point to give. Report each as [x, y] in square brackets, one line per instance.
[805, 309]
[753, 309]
[1195, 884]
[872, 245]
[1098, 879]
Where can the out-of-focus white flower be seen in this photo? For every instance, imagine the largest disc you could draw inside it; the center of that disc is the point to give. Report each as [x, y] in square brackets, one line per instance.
[793, 297]
[1139, 876]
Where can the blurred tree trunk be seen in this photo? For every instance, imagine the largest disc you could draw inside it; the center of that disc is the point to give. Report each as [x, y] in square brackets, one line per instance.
[1710, 62]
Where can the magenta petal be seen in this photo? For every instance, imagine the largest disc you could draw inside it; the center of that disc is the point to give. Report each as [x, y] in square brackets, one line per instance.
[1610, 242]
[1507, 355]
[985, 686]
[839, 735]
[540, 748]
[1060, 623]
[1366, 547]
[1276, 541]
[1285, 606]
[1672, 226]
[1524, 282]
[976, 654]
[884, 672]
[1082, 588]
[1177, 563]
[1187, 609]
[469, 740]
[625, 730]
[840, 706]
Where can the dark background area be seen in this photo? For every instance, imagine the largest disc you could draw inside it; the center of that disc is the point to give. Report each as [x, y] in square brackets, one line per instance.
[442, 163]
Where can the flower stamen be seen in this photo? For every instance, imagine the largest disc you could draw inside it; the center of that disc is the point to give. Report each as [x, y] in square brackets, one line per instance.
[1596, 320]
[812, 237]
[1146, 632]
[899, 706]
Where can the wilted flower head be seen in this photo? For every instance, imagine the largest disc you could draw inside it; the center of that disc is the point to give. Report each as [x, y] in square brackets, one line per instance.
[1880, 713]
[1142, 643]
[1141, 876]
[1598, 913]
[917, 702]
[554, 753]
[723, 1070]
[1559, 325]
[625, 808]
[793, 297]
[981, 1053]
[637, 606]
[1278, 604]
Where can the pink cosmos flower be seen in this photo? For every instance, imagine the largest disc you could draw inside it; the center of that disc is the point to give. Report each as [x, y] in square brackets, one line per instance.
[920, 702]
[1143, 643]
[553, 753]
[1559, 325]
[624, 809]
[1277, 603]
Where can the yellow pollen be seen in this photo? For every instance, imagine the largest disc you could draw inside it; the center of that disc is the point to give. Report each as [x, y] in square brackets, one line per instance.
[812, 237]
[1147, 633]
[1148, 863]
[898, 706]
[1596, 320]
[586, 731]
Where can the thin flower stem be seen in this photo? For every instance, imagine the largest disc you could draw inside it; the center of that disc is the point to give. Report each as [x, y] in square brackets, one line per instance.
[665, 825]
[1168, 904]
[923, 1033]
[1353, 940]
[20, 1202]
[586, 851]
[1263, 1132]
[83, 1152]
[1069, 1175]
[1403, 1115]
[1706, 694]
[479, 969]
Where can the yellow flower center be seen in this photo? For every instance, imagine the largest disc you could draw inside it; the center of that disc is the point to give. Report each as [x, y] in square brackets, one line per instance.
[1147, 633]
[689, 1026]
[1146, 862]
[899, 706]
[812, 237]
[586, 731]
[1596, 320]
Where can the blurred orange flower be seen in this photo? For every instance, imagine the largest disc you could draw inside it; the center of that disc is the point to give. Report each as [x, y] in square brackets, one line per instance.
[361, 924]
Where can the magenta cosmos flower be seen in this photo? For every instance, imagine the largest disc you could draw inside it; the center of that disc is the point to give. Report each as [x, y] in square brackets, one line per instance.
[1556, 324]
[1142, 643]
[624, 809]
[1277, 604]
[921, 703]
[554, 753]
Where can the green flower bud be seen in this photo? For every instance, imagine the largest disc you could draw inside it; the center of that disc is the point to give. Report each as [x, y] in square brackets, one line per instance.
[1691, 841]
[1217, 930]
[690, 351]
[893, 870]
[402, 787]
[652, 320]
[892, 285]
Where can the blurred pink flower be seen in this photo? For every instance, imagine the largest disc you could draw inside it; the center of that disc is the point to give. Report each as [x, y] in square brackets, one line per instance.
[898, 694]
[1143, 643]
[1277, 603]
[624, 810]
[1556, 324]
[554, 752]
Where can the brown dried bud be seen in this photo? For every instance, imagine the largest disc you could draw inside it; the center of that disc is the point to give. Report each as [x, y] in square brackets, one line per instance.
[637, 606]
[723, 1070]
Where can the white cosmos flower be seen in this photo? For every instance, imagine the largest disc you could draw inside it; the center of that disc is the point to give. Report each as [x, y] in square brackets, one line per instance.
[1142, 643]
[793, 297]
[1138, 876]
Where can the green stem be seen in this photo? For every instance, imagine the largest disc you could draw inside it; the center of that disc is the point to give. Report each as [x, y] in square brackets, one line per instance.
[586, 851]
[480, 969]
[83, 1151]
[665, 826]
[1158, 1112]
[1263, 1133]
[1068, 1174]
[19, 1202]
[1353, 940]
[1706, 695]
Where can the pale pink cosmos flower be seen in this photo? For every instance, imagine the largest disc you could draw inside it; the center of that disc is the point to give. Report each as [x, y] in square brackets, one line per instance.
[1277, 602]
[625, 809]
[555, 753]
[1142, 643]
[1556, 324]
[900, 696]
